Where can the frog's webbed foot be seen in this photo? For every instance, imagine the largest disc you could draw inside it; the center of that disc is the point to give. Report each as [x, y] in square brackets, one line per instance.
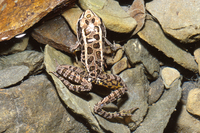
[113, 82]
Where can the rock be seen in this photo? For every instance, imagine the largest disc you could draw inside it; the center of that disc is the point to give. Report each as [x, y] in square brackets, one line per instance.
[55, 33]
[186, 87]
[113, 16]
[31, 59]
[119, 66]
[193, 102]
[186, 123]
[137, 11]
[196, 56]
[137, 84]
[137, 53]
[79, 103]
[177, 22]
[112, 60]
[34, 106]
[155, 91]
[153, 34]
[159, 113]
[72, 15]
[11, 47]
[169, 75]
[16, 21]
[6, 75]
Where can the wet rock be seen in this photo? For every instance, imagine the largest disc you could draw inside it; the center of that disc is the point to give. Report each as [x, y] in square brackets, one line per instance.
[118, 55]
[72, 15]
[153, 34]
[11, 47]
[34, 106]
[156, 89]
[193, 102]
[159, 113]
[137, 11]
[81, 104]
[137, 84]
[177, 22]
[186, 123]
[137, 53]
[169, 75]
[55, 33]
[16, 21]
[197, 57]
[113, 16]
[186, 87]
[120, 66]
[7, 78]
[31, 59]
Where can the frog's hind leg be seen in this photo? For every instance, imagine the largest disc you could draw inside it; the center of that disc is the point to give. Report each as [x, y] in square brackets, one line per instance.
[74, 74]
[113, 82]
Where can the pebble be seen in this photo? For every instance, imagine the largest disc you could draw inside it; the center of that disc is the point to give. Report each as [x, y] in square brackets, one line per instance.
[156, 90]
[119, 66]
[169, 75]
[186, 87]
[193, 102]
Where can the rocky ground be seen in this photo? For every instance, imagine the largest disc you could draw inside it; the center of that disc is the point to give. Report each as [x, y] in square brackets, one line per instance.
[159, 62]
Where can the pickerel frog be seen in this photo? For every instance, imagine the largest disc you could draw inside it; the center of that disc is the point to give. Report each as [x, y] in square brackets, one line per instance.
[91, 35]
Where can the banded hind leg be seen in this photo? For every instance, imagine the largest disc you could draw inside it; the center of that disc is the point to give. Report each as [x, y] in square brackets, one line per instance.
[113, 82]
[67, 73]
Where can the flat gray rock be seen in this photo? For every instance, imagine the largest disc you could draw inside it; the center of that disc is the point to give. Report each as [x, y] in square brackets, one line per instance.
[159, 114]
[12, 75]
[32, 59]
[137, 84]
[137, 53]
[178, 18]
[34, 106]
[153, 35]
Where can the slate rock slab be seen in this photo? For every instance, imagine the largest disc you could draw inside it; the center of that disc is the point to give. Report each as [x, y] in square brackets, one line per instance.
[13, 46]
[137, 53]
[12, 75]
[159, 114]
[178, 18]
[32, 59]
[55, 33]
[153, 35]
[137, 84]
[34, 106]
[17, 16]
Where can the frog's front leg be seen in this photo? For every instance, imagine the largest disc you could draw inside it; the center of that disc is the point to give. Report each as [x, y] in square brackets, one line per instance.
[74, 74]
[113, 82]
[112, 46]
